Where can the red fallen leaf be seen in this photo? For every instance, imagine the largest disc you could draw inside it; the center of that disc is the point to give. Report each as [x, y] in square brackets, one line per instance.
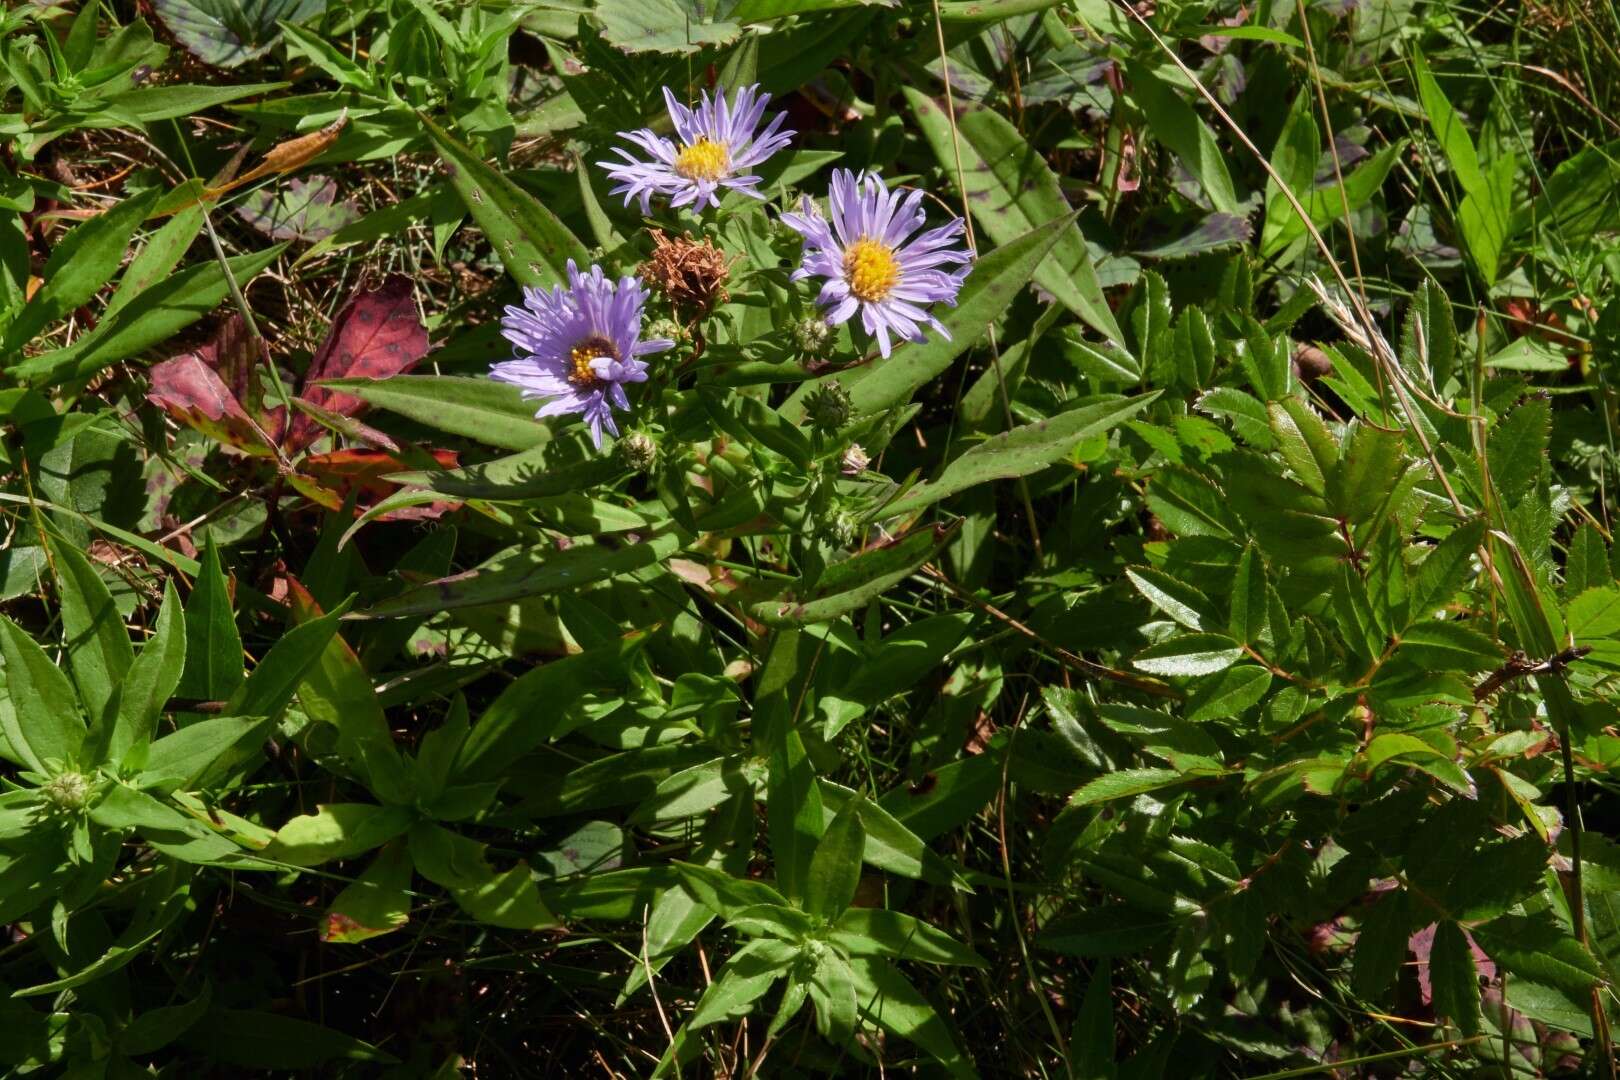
[376, 335]
[327, 479]
[191, 391]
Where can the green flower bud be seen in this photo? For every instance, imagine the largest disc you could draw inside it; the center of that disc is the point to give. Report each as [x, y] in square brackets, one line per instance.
[829, 407]
[638, 451]
[665, 328]
[812, 335]
[67, 792]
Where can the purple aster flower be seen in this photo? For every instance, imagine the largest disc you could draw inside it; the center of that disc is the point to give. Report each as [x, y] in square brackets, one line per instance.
[579, 346]
[718, 147]
[872, 262]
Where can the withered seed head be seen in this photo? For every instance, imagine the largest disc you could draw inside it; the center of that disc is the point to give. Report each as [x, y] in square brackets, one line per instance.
[691, 275]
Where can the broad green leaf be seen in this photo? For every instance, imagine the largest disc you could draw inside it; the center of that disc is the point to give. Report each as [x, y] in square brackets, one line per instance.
[890, 845]
[1294, 159]
[168, 830]
[849, 585]
[1092, 1039]
[1189, 654]
[152, 679]
[213, 653]
[752, 422]
[80, 264]
[275, 679]
[1011, 190]
[156, 1028]
[44, 722]
[876, 932]
[1445, 570]
[794, 817]
[178, 759]
[336, 690]
[665, 26]
[1124, 784]
[543, 704]
[1449, 128]
[1228, 693]
[1449, 646]
[527, 237]
[1429, 335]
[1595, 614]
[494, 413]
[1250, 621]
[505, 899]
[1381, 947]
[1517, 448]
[1452, 974]
[888, 999]
[129, 946]
[337, 831]
[229, 33]
[1022, 450]
[832, 992]
[98, 646]
[525, 571]
[1178, 126]
[1367, 473]
[156, 315]
[835, 868]
[1175, 598]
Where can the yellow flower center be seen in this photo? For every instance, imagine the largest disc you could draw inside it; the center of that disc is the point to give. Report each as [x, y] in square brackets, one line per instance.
[703, 160]
[581, 355]
[871, 268]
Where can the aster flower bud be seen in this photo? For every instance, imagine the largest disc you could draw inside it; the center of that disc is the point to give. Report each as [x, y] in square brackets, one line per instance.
[842, 528]
[67, 792]
[812, 335]
[637, 451]
[855, 460]
[665, 330]
[829, 407]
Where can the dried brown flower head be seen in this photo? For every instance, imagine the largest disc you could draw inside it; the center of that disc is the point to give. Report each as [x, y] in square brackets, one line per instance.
[691, 275]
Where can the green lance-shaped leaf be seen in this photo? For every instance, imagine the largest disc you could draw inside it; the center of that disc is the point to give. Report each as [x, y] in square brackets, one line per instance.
[494, 413]
[528, 238]
[98, 647]
[750, 421]
[1306, 443]
[151, 921]
[44, 722]
[265, 1040]
[793, 810]
[991, 287]
[336, 690]
[835, 869]
[80, 264]
[876, 932]
[848, 586]
[521, 572]
[151, 679]
[180, 758]
[277, 676]
[1124, 784]
[154, 316]
[1011, 190]
[1022, 450]
[1177, 125]
[1294, 159]
[1453, 977]
[888, 999]
[213, 655]
[1189, 654]
[376, 902]
[505, 898]
[337, 831]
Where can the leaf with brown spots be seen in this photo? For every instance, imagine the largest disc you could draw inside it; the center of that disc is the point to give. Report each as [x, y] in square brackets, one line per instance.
[375, 336]
[189, 389]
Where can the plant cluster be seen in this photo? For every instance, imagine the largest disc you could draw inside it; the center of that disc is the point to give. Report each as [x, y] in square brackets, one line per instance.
[804, 537]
